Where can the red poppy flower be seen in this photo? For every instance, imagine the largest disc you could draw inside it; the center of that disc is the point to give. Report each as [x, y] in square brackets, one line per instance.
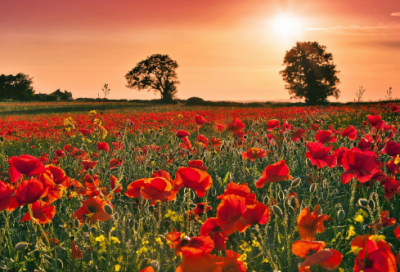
[242, 190]
[114, 181]
[180, 241]
[42, 212]
[296, 135]
[133, 189]
[253, 153]
[392, 187]
[386, 221]
[84, 131]
[103, 146]
[211, 228]
[195, 179]
[76, 252]
[59, 153]
[374, 254]
[392, 149]
[200, 120]
[236, 125]
[202, 139]
[93, 208]
[393, 168]
[54, 193]
[365, 142]
[91, 180]
[187, 143]
[305, 249]
[29, 191]
[88, 164]
[232, 263]
[272, 124]
[309, 224]
[376, 121]
[394, 109]
[319, 155]
[197, 164]
[182, 133]
[7, 200]
[339, 154]
[397, 232]
[156, 189]
[220, 127]
[216, 142]
[233, 214]
[350, 132]
[325, 136]
[329, 259]
[118, 145]
[274, 173]
[202, 208]
[359, 164]
[195, 261]
[56, 174]
[24, 164]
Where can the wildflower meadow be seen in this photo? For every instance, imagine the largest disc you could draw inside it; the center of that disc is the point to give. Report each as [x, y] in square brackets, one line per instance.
[202, 189]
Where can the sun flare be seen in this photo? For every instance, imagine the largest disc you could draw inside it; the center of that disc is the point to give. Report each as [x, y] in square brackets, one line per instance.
[286, 25]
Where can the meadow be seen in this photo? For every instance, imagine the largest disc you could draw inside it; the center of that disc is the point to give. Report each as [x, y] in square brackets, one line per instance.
[173, 188]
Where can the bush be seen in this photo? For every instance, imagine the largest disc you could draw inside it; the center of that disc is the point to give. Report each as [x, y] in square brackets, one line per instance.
[195, 101]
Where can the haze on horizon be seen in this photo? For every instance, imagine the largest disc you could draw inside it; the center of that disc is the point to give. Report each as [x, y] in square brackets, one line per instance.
[226, 49]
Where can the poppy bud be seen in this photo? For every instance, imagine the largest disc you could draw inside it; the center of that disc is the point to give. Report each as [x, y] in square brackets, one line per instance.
[155, 264]
[72, 238]
[21, 246]
[363, 202]
[309, 163]
[76, 222]
[324, 195]
[312, 188]
[295, 182]
[324, 184]
[340, 215]
[266, 200]
[108, 209]
[292, 202]
[281, 195]
[131, 223]
[371, 204]
[277, 211]
[151, 209]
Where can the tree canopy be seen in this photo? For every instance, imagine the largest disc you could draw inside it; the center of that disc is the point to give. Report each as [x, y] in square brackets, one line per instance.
[310, 73]
[157, 73]
[16, 87]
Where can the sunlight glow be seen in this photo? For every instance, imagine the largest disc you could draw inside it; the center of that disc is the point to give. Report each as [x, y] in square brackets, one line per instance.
[286, 25]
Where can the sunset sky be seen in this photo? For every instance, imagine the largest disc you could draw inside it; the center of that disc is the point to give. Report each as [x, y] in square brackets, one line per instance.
[226, 49]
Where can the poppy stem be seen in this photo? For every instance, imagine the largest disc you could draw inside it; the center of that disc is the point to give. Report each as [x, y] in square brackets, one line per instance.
[40, 226]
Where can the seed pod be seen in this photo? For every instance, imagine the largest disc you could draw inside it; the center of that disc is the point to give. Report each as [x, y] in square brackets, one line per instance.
[341, 215]
[21, 246]
[363, 202]
[309, 163]
[295, 182]
[312, 188]
[156, 265]
[371, 204]
[277, 211]
[281, 195]
[108, 209]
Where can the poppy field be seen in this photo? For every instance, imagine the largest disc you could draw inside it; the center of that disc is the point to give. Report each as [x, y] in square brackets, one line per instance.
[202, 189]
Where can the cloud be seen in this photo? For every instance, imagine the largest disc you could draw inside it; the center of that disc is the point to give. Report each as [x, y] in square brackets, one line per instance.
[395, 14]
[357, 30]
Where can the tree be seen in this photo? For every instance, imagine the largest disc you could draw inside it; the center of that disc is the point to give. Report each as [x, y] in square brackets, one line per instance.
[16, 87]
[156, 73]
[310, 73]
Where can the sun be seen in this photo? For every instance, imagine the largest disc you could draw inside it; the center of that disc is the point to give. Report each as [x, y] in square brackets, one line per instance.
[286, 25]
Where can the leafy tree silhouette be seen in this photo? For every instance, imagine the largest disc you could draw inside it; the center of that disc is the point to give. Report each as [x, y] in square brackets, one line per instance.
[310, 73]
[156, 73]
